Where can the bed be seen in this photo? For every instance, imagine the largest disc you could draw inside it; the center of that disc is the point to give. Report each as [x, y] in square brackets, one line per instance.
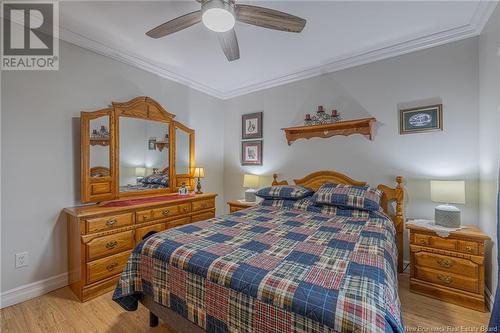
[277, 267]
[157, 180]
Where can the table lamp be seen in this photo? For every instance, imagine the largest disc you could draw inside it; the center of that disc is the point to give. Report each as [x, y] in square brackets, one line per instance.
[140, 173]
[250, 182]
[448, 192]
[199, 173]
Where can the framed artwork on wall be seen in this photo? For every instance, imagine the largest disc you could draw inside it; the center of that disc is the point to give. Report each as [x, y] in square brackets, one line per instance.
[421, 119]
[251, 152]
[251, 126]
[152, 144]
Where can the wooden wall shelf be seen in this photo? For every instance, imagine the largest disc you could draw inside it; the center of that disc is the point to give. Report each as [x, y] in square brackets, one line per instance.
[160, 145]
[357, 126]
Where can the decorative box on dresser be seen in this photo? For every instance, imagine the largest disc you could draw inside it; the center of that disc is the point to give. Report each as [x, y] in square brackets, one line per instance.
[448, 268]
[101, 237]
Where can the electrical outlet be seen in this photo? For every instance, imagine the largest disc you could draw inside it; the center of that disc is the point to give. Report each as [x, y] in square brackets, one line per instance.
[21, 259]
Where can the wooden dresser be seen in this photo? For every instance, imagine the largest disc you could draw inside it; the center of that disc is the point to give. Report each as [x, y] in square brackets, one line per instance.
[100, 238]
[451, 268]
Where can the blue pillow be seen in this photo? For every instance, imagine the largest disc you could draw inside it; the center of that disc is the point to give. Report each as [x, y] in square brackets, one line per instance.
[348, 196]
[284, 192]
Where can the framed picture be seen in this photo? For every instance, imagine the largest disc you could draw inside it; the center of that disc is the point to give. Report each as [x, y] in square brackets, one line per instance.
[251, 152]
[421, 119]
[251, 126]
[151, 144]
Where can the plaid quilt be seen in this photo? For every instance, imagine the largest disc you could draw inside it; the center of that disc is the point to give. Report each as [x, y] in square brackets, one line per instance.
[272, 269]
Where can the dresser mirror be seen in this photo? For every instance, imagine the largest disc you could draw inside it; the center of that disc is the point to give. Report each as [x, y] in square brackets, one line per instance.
[144, 154]
[99, 147]
[134, 148]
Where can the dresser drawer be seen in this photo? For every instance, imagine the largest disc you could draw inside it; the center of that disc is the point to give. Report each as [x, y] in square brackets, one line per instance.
[447, 279]
[108, 222]
[141, 232]
[106, 267]
[447, 264]
[108, 245]
[203, 204]
[203, 216]
[178, 222]
[164, 212]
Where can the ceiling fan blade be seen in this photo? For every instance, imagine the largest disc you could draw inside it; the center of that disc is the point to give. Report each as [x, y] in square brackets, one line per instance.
[229, 44]
[269, 18]
[179, 23]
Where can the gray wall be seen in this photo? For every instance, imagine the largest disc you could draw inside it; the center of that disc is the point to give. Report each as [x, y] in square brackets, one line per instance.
[447, 74]
[40, 162]
[489, 139]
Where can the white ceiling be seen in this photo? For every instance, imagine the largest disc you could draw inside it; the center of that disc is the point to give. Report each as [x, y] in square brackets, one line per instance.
[337, 35]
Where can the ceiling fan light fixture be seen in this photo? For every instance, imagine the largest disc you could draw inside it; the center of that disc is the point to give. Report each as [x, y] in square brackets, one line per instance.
[218, 15]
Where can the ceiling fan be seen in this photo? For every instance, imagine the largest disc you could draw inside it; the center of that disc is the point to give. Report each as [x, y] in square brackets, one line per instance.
[221, 15]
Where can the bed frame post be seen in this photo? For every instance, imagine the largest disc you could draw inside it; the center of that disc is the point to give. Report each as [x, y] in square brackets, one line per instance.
[399, 221]
[276, 182]
[153, 319]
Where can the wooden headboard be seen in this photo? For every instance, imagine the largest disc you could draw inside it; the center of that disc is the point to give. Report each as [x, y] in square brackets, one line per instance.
[390, 196]
[99, 171]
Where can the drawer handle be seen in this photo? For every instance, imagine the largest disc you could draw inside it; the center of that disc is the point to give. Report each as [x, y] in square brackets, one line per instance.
[165, 212]
[184, 209]
[111, 222]
[468, 248]
[445, 279]
[111, 245]
[423, 242]
[112, 266]
[145, 217]
[444, 263]
[204, 205]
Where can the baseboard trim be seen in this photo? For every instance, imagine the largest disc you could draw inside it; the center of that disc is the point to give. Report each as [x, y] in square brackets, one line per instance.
[32, 290]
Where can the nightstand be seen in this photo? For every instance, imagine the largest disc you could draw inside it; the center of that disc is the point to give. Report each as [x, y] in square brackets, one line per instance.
[237, 205]
[450, 269]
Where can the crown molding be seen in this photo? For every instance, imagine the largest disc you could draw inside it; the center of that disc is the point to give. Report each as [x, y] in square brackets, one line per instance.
[483, 12]
[477, 22]
[135, 61]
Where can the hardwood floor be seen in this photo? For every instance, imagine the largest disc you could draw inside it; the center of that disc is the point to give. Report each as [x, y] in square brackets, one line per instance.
[59, 311]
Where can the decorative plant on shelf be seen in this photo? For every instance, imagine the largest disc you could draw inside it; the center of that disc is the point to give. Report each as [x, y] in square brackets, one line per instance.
[321, 117]
[100, 137]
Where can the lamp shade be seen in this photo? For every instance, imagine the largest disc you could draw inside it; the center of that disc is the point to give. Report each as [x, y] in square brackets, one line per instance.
[140, 172]
[250, 181]
[448, 191]
[199, 172]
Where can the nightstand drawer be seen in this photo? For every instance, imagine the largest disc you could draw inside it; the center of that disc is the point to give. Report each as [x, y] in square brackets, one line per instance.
[447, 279]
[447, 264]
[233, 209]
[468, 247]
[436, 242]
